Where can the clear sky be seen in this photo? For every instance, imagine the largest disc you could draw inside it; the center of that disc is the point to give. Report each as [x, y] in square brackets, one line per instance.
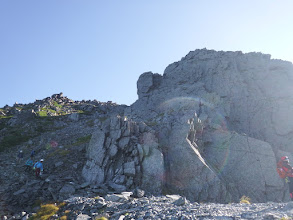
[95, 49]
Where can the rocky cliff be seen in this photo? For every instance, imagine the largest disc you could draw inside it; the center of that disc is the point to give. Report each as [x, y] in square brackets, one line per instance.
[243, 104]
[211, 128]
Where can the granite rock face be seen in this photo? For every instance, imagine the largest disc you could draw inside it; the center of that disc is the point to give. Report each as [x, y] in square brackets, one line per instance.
[124, 155]
[242, 102]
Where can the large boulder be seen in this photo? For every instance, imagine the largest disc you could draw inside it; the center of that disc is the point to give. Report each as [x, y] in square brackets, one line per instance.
[246, 165]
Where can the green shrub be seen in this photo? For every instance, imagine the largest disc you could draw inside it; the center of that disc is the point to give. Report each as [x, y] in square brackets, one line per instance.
[101, 218]
[102, 119]
[3, 123]
[82, 140]
[13, 139]
[151, 123]
[245, 199]
[90, 123]
[57, 105]
[5, 116]
[63, 152]
[42, 113]
[53, 111]
[45, 212]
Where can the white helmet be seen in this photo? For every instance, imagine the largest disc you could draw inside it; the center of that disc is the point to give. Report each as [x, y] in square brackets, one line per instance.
[20, 151]
[42, 160]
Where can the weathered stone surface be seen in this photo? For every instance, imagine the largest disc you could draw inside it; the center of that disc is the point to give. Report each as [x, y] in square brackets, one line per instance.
[74, 116]
[96, 149]
[123, 142]
[113, 150]
[117, 198]
[67, 189]
[129, 169]
[58, 164]
[19, 192]
[228, 91]
[83, 217]
[247, 165]
[84, 185]
[93, 173]
[122, 167]
[181, 201]
[152, 165]
[138, 193]
[117, 187]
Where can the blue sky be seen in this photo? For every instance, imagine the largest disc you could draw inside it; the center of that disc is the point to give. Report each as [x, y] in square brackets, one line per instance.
[94, 49]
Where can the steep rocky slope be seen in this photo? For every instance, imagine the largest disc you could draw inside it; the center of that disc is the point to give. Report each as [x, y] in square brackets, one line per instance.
[58, 130]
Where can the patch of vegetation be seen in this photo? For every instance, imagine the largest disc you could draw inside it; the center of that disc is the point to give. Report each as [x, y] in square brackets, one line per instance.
[102, 119]
[90, 123]
[101, 218]
[82, 140]
[60, 113]
[84, 112]
[45, 212]
[57, 105]
[2, 125]
[5, 116]
[42, 113]
[64, 152]
[160, 115]
[151, 123]
[14, 138]
[286, 218]
[52, 111]
[46, 124]
[60, 152]
[245, 199]
[40, 129]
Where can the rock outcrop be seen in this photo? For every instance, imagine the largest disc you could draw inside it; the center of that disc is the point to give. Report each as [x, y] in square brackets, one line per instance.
[125, 155]
[243, 104]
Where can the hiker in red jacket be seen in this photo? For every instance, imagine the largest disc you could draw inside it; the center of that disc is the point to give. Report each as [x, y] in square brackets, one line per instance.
[286, 172]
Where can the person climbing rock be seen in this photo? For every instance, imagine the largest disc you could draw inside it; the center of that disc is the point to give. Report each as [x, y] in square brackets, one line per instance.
[285, 171]
[19, 156]
[29, 164]
[32, 154]
[39, 167]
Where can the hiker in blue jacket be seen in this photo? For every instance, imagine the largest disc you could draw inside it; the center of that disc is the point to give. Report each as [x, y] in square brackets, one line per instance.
[29, 164]
[39, 167]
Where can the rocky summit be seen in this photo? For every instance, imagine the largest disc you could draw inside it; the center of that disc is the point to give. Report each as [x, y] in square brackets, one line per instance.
[200, 138]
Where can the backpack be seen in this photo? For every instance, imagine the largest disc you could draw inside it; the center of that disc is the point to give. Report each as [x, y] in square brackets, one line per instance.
[282, 173]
